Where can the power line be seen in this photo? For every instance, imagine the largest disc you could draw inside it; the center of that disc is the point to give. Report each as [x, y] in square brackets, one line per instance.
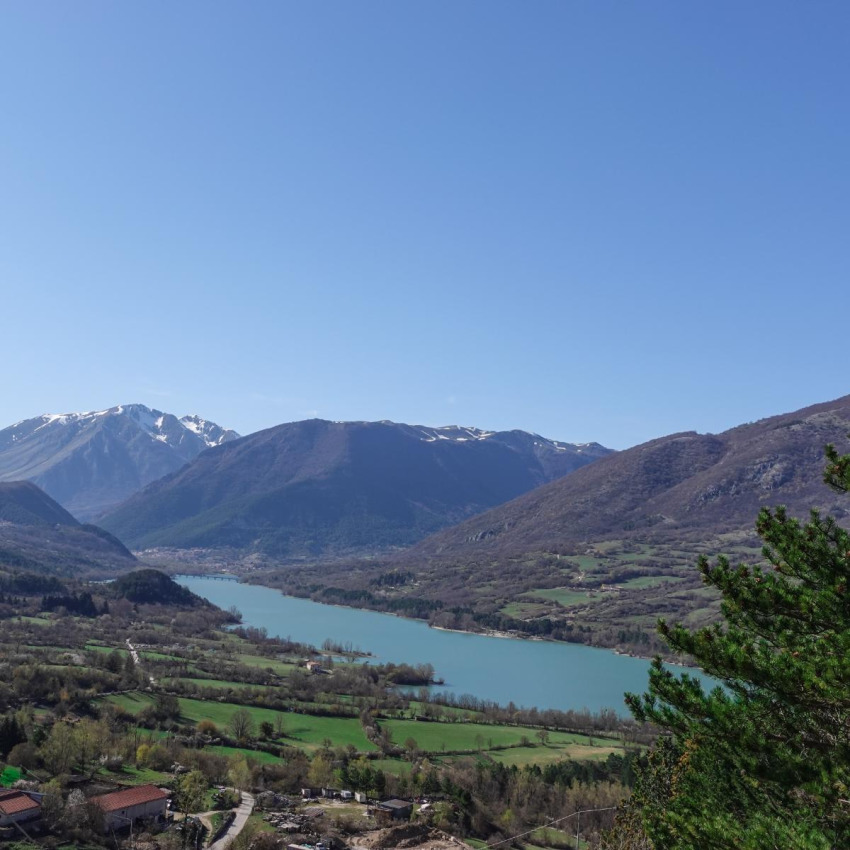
[557, 820]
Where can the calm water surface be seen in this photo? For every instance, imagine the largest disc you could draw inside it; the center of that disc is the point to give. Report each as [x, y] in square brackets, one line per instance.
[528, 673]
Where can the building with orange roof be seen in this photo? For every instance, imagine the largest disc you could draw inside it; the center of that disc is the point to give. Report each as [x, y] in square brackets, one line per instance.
[17, 807]
[123, 808]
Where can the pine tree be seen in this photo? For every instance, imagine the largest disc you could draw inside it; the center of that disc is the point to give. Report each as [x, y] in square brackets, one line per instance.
[765, 761]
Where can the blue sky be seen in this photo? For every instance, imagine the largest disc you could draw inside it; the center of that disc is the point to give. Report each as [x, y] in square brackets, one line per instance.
[597, 221]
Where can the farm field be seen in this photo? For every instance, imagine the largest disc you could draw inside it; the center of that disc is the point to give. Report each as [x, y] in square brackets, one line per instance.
[306, 731]
[282, 668]
[223, 684]
[565, 596]
[257, 755]
[650, 581]
[547, 753]
[310, 732]
[442, 737]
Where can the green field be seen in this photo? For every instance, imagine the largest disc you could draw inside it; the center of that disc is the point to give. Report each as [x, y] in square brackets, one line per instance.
[257, 755]
[649, 581]
[466, 713]
[306, 731]
[537, 754]
[219, 683]
[588, 562]
[99, 647]
[310, 731]
[567, 597]
[132, 703]
[396, 767]
[522, 610]
[130, 775]
[151, 655]
[282, 668]
[442, 737]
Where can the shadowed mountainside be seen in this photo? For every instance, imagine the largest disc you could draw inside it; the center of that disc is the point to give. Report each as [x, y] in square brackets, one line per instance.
[307, 489]
[39, 535]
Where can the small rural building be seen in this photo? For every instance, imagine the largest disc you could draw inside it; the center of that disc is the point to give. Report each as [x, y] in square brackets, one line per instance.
[360, 796]
[308, 793]
[394, 810]
[17, 807]
[346, 795]
[124, 807]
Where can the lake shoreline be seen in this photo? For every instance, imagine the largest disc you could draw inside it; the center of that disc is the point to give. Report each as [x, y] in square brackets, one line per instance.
[528, 673]
[505, 635]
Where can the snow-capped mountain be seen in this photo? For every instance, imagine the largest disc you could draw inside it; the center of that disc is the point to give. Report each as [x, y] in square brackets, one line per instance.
[92, 461]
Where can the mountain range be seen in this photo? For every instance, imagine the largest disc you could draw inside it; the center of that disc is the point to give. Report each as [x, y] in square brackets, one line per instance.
[470, 528]
[89, 462]
[318, 488]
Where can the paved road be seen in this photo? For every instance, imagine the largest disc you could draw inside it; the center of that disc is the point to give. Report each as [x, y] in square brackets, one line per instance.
[242, 813]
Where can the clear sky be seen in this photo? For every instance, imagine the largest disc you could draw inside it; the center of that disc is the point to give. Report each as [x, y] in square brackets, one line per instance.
[593, 220]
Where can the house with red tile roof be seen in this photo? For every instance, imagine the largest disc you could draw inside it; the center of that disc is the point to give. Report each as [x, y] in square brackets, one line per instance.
[123, 808]
[17, 807]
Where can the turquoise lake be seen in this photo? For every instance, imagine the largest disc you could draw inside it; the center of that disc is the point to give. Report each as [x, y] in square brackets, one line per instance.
[528, 673]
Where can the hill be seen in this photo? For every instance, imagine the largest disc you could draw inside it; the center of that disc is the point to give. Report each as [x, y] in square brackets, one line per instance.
[316, 488]
[89, 462]
[152, 587]
[39, 535]
[598, 555]
[23, 503]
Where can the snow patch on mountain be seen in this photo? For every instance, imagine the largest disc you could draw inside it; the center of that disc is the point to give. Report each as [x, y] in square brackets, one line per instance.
[159, 426]
[465, 434]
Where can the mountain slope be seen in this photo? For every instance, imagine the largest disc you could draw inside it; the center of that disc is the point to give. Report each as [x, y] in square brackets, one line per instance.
[316, 487]
[92, 461]
[681, 483]
[39, 535]
[23, 503]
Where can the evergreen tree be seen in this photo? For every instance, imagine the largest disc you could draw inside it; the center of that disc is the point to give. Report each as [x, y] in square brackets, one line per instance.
[11, 734]
[765, 762]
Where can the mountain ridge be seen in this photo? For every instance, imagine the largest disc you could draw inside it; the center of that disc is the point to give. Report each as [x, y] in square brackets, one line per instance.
[92, 461]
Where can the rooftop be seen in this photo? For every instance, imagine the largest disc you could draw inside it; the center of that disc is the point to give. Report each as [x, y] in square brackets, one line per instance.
[127, 797]
[17, 801]
[395, 804]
